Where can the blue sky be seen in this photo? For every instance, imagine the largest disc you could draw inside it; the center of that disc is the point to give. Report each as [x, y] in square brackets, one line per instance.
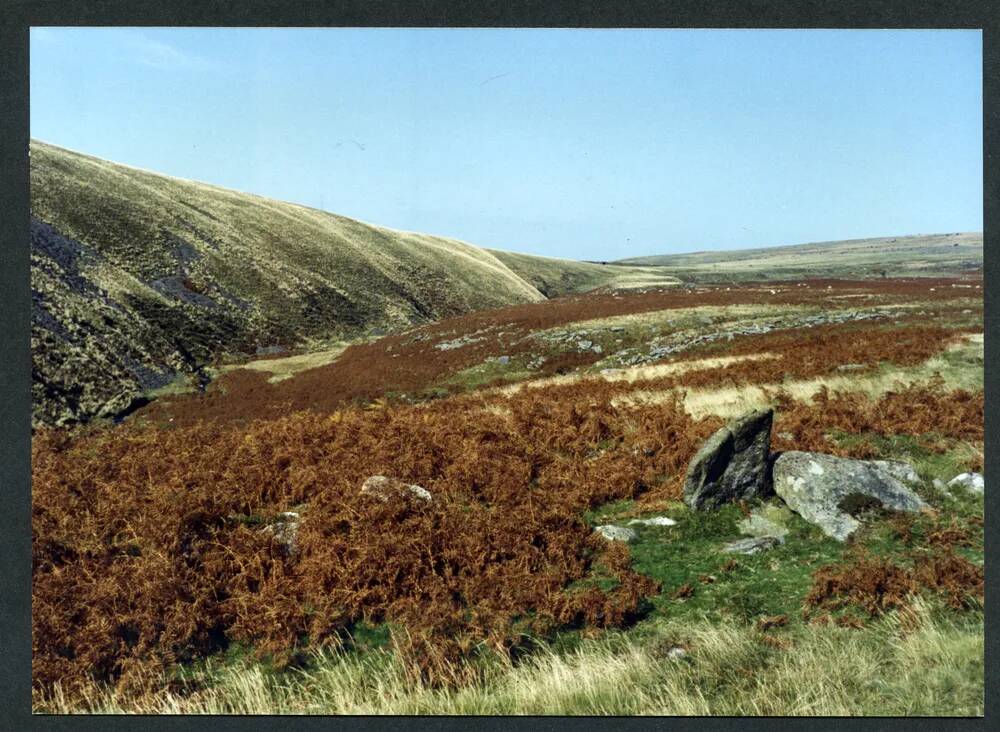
[589, 144]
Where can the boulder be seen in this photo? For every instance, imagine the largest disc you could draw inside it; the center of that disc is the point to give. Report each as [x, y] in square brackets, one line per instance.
[617, 533]
[384, 488]
[732, 464]
[972, 482]
[818, 487]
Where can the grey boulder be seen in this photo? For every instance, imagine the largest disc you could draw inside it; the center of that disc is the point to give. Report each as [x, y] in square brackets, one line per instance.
[732, 464]
[817, 487]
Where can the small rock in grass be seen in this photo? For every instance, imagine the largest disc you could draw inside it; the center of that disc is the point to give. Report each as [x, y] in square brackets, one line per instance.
[972, 482]
[503, 360]
[584, 345]
[753, 545]
[383, 488]
[285, 530]
[766, 521]
[654, 521]
[617, 533]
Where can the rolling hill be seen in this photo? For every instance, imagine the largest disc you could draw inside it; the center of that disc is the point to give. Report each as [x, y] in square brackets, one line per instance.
[922, 255]
[138, 277]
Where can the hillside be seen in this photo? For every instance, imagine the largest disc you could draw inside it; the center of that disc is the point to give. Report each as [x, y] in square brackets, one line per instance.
[931, 255]
[137, 277]
[556, 277]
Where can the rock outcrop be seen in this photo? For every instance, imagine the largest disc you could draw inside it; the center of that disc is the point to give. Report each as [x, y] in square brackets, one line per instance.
[818, 487]
[732, 464]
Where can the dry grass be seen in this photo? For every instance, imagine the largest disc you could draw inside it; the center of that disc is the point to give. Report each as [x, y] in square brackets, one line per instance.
[916, 663]
[288, 366]
[961, 366]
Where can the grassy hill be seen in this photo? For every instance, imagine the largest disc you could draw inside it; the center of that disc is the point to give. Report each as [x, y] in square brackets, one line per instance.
[137, 277]
[556, 277]
[930, 255]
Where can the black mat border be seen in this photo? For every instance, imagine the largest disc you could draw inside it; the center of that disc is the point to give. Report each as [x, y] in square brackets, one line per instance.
[15, 366]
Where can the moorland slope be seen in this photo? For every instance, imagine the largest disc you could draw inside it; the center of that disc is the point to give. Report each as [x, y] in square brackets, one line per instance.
[139, 277]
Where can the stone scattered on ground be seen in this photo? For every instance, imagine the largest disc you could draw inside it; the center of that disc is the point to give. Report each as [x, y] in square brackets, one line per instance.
[285, 530]
[767, 520]
[753, 545]
[384, 488]
[818, 487]
[460, 342]
[972, 482]
[732, 464]
[503, 360]
[676, 653]
[654, 521]
[617, 533]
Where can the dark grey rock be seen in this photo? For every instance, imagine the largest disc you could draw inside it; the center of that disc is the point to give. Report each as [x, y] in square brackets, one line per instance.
[815, 486]
[732, 464]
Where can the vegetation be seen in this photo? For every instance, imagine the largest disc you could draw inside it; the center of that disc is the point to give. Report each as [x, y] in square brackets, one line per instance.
[923, 662]
[931, 255]
[557, 277]
[223, 550]
[138, 277]
[156, 557]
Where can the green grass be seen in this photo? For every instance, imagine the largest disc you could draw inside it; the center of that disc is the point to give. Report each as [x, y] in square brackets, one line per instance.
[489, 371]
